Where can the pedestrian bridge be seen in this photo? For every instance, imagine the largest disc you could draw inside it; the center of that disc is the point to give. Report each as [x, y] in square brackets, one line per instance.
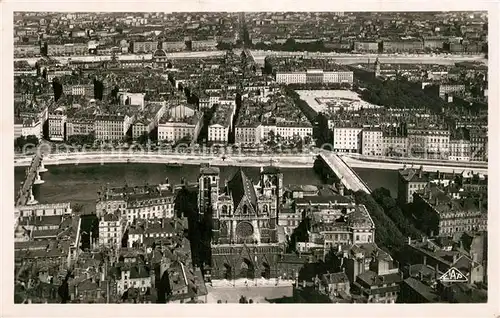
[346, 174]
[29, 190]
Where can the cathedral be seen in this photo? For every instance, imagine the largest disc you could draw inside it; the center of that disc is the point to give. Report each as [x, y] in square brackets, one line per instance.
[244, 220]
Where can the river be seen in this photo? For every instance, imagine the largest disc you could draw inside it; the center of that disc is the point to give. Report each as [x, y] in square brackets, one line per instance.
[79, 183]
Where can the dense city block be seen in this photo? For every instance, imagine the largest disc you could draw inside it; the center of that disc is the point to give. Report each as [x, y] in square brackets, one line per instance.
[330, 92]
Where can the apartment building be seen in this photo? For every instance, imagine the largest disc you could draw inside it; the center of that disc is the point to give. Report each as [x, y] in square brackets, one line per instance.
[18, 127]
[220, 124]
[403, 46]
[331, 234]
[174, 46]
[290, 130]
[111, 229]
[127, 98]
[459, 150]
[394, 145]
[291, 77]
[157, 202]
[203, 45]
[144, 47]
[133, 203]
[247, 133]
[314, 76]
[372, 142]
[347, 139]
[366, 46]
[326, 231]
[289, 219]
[139, 127]
[174, 128]
[411, 180]
[479, 145]
[434, 43]
[32, 126]
[450, 89]
[111, 127]
[79, 90]
[57, 125]
[41, 210]
[143, 231]
[429, 143]
[79, 126]
[441, 214]
[67, 49]
[26, 50]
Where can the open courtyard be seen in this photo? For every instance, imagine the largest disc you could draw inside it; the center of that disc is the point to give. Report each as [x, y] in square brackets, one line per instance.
[322, 100]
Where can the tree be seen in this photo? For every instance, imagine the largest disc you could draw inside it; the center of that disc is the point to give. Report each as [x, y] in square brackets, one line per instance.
[77, 208]
[32, 139]
[19, 142]
[388, 235]
[299, 234]
[224, 46]
[391, 208]
[243, 300]
[143, 139]
[272, 138]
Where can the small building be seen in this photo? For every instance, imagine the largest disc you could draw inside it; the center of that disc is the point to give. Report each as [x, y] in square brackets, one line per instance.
[335, 285]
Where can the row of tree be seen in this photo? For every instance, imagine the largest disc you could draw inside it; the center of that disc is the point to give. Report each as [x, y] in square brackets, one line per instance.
[81, 139]
[388, 236]
[320, 86]
[22, 141]
[391, 208]
[291, 45]
[399, 93]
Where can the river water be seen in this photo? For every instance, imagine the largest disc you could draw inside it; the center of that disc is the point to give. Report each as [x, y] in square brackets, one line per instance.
[79, 183]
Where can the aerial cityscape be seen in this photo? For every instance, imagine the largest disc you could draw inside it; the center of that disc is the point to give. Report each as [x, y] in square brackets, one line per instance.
[250, 157]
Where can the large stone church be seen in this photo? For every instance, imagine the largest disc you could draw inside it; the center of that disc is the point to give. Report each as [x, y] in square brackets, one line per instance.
[244, 220]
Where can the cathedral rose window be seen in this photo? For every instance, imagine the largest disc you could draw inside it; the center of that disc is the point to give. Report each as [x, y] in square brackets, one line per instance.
[244, 230]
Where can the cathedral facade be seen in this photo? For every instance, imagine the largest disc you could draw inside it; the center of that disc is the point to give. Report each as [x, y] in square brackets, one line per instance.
[244, 220]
